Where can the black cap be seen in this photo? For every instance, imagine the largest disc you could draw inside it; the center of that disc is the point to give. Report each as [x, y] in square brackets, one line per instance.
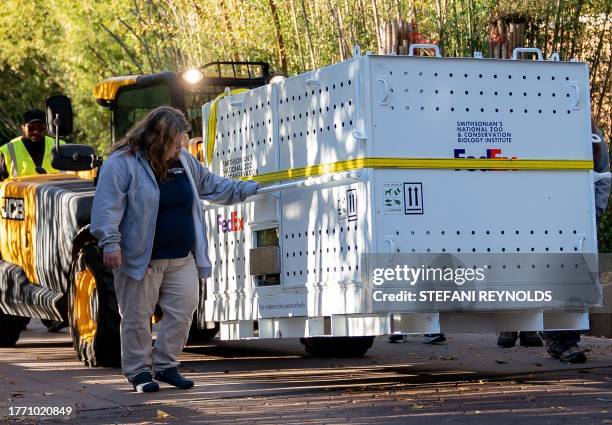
[33, 115]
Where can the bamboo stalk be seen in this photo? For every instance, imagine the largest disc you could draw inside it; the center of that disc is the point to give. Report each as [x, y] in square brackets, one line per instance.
[605, 88]
[297, 35]
[376, 23]
[313, 63]
[389, 38]
[394, 33]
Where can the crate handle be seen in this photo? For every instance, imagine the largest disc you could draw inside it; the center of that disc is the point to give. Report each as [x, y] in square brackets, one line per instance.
[233, 103]
[312, 82]
[390, 239]
[424, 46]
[359, 134]
[581, 240]
[607, 176]
[387, 90]
[576, 101]
[595, 138]
[535, 50]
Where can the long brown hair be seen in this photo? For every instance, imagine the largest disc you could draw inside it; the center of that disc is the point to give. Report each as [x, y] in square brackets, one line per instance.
[155, 135]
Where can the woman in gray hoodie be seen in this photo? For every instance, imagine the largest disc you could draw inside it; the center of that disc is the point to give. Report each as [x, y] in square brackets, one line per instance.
[148, 218]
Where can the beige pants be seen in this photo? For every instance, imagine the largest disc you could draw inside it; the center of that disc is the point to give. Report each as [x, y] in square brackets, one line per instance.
[173, 284]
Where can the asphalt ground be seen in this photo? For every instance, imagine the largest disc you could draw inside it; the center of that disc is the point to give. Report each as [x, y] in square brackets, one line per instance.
[466, 380]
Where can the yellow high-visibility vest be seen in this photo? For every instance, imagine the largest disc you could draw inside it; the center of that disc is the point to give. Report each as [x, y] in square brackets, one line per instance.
[18, 161]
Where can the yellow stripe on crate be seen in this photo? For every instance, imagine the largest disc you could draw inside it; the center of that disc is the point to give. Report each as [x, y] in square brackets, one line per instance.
[426, 163]
[211, 127]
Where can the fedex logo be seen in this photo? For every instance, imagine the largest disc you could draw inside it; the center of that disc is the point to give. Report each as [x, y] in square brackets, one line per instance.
[490, 154]
[232, 224]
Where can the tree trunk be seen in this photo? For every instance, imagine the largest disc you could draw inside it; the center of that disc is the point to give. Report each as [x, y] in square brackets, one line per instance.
[230, 30]
[605, 89]
[557, 26]
[441, 25]
[377, 25]
[351, 25]
[334, 14]
[297, 35]
[602, 37]
[313, 63]
[576, 28]
[470, 26]
[455, 32]
[546, 32]
[280, 45]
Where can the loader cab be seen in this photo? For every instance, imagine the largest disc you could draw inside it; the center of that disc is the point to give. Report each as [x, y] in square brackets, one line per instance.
[129, 98]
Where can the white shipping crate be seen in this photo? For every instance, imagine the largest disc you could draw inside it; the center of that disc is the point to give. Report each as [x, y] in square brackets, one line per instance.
[383, 156]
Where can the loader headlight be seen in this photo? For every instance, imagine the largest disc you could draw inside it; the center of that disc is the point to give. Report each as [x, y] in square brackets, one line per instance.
[193, 76]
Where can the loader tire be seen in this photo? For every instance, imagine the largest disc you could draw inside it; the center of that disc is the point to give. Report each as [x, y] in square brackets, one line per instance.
[93, 313]
[10, 328]
[198, 336]
[337, 346]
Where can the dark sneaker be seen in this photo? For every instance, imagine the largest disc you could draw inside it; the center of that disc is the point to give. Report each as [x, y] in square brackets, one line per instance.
[530, 339]
[433, 338]
[144, 383]
[507, 339]
[395, 338]
[173, 377]
[573, 354]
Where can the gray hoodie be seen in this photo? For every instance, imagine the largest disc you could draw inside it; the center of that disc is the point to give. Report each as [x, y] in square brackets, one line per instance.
[125, 207]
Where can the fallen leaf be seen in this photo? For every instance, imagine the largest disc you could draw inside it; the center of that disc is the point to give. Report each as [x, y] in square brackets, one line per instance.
[17, 395]
[48, 394]
[162, 415]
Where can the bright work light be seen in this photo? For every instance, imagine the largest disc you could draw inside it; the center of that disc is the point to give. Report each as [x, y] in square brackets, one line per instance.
[193, 76]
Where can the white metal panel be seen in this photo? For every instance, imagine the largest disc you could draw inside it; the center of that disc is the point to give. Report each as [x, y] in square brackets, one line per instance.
[322, 235]
[245, 142]
[318, 113]
[420, 107]
[487, 212]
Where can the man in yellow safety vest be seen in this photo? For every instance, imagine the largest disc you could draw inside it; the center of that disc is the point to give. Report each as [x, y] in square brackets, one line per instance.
[29, 154]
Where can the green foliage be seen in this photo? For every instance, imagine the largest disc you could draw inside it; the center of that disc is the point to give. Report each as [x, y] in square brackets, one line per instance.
[51, 45]
[605, 232]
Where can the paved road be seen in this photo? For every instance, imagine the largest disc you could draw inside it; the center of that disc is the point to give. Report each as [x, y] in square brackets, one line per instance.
[467, 380]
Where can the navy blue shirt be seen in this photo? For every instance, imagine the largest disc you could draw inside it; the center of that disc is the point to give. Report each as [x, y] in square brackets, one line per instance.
[174, 230]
